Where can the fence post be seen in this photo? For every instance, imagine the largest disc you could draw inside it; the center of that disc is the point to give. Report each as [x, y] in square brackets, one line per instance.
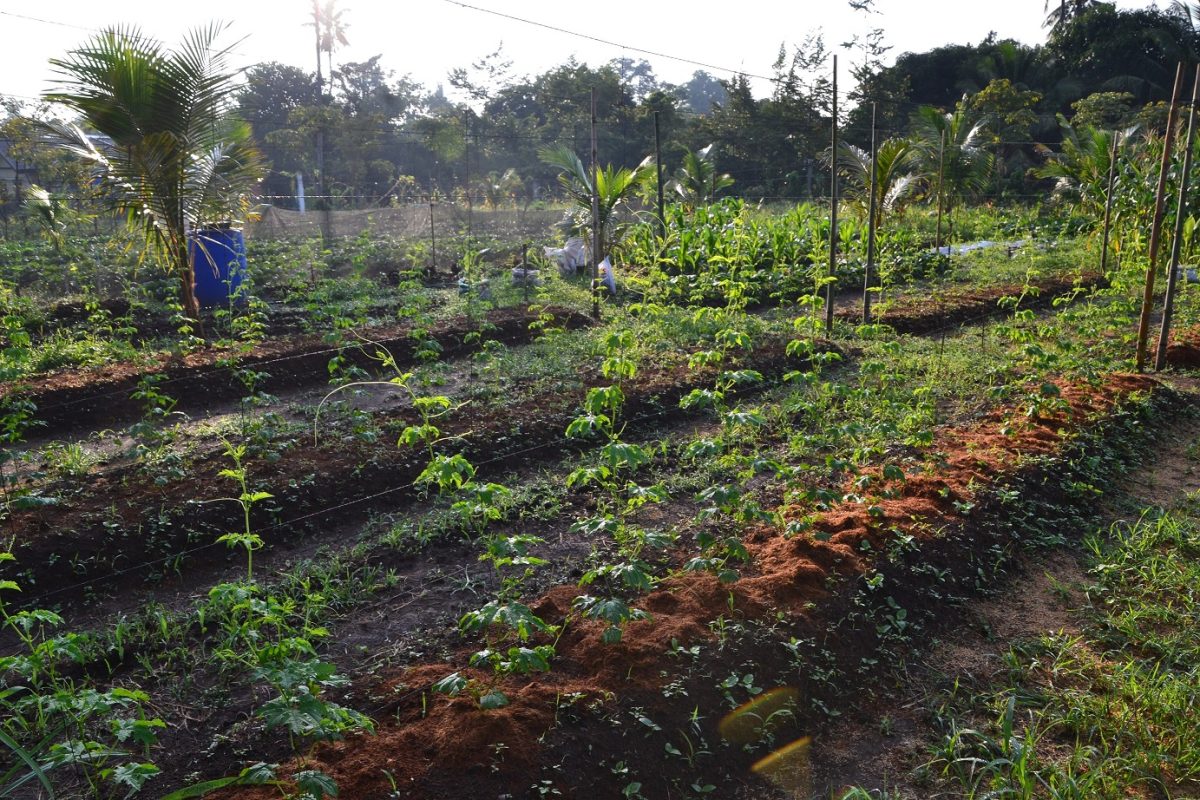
[870, 230]
[1160, 356]
[595, 219]
[1156, 225]
[833, 210]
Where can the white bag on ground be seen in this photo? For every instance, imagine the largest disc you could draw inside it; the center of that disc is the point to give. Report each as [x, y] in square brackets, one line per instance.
[608, 277]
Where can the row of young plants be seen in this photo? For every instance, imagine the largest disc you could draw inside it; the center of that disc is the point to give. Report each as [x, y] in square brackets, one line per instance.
[774, 257]
[629, 573]
[618, 458]
[290, 289]
[523, 642]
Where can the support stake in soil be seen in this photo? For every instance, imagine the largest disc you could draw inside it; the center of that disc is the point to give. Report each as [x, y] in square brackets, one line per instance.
[1156, 225]
[833, 210]
[1108, 203]
[595, 220]
[1160, 356]
[870, 230]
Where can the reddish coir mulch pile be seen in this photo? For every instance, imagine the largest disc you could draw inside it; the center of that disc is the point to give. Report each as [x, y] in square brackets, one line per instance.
[437, 747]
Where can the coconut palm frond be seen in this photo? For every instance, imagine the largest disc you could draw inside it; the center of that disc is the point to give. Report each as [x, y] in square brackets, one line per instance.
[168, 154]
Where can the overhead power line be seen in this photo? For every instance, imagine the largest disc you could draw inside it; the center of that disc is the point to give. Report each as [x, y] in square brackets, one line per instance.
[609, 42]
[47, 21]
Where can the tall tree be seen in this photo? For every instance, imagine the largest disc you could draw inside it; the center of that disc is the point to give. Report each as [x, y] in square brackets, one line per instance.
[951, 145]
[484, 77]
[1060, 12]
[329, 31]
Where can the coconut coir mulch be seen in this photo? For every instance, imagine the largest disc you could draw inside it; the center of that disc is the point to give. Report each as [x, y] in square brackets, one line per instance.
[433, 747]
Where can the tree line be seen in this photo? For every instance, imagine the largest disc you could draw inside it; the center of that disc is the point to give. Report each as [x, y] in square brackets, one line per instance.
[359, 135]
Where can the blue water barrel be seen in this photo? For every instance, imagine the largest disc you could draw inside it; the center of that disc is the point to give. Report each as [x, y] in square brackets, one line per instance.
[219, 262]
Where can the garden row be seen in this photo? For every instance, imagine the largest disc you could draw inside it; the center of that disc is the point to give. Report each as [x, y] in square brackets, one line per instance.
[717, 553]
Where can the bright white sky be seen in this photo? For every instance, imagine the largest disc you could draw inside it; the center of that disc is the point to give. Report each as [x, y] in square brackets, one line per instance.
[426, 39]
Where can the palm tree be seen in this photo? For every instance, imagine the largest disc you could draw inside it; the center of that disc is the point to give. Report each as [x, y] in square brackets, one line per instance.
[329, 31]
[1080, 170]
[51, 214]
[697, 182]
[178, 159]
[949, 152]
[499, 187]
[614, 186]
[895, 181]
[1063, 11]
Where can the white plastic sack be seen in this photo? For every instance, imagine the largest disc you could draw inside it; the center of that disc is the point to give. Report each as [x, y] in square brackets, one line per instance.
[607, 276]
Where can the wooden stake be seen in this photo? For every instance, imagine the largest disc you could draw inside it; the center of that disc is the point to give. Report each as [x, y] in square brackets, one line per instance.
[833, 211]
[595, 219]
[870, 230]
[662, 219]
[1160, 355]
[432, 237]
[1108, 203]
[937, 240]
[467, 170]
[1156, 225]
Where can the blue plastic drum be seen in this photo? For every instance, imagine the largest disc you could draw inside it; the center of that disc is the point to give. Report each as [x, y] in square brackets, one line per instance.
[219, 262]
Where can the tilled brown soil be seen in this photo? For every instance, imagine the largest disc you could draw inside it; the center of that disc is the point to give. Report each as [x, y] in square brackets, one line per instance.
[74, 400]
[804, 589]
[104, 530]
[963, 306]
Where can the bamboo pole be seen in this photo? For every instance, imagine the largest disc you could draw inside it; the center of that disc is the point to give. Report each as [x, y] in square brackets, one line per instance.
[595, 219]
[1108, 203]
[1160, 355]
[870, 229]
[1156, 225]
[833, 210]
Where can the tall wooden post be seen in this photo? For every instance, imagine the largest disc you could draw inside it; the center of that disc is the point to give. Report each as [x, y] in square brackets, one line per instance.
[595, 218]
[870, 229]
[1160, 355]
[467, 172]
[1156, 226]
[1108, 203]
[833, 210]
[937, 241]
[658, 166]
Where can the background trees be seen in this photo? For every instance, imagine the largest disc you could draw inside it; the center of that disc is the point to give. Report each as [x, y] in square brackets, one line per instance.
[370, 131]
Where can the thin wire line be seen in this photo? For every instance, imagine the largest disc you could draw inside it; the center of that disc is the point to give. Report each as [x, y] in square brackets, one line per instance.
[608, 42]
[48, 21]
